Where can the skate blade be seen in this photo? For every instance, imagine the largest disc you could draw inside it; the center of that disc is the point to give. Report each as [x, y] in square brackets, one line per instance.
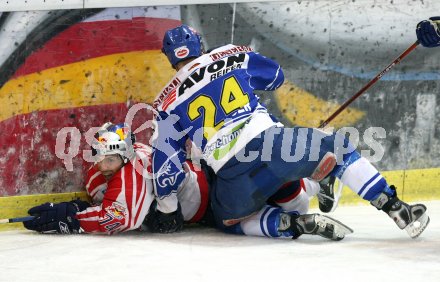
[340, 229]
[415, 228]
[337, 196]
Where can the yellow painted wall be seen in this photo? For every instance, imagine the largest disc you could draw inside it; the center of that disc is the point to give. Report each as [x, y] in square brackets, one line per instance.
[16, 206]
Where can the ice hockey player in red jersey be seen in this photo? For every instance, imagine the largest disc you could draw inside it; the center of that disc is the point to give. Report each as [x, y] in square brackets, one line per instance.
[121, 189]
[117, 183]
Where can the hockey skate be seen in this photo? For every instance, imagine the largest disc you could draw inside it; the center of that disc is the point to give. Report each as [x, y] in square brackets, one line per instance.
[412, 218]
[326, 194]
[315, 224]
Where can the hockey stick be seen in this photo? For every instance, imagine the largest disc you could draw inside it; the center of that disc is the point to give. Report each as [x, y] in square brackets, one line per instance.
[369, 84]
[16, 219]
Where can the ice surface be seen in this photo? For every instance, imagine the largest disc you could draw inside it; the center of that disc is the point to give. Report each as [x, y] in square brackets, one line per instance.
[376, 251]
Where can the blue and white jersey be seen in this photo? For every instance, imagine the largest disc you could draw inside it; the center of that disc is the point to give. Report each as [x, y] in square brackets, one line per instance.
[212, 102]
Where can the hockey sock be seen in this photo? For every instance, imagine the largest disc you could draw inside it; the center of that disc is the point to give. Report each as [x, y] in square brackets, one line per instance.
[310, 186]
[361, 176]
[269, 222]
[293, 196]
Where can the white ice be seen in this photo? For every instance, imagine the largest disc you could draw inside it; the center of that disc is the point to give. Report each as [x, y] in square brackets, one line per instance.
[376, 251]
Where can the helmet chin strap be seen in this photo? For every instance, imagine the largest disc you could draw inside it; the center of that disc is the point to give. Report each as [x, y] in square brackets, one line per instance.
[127, 156]
[124, 160]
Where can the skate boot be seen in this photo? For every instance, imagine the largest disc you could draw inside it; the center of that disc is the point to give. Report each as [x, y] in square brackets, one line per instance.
[314, 224]
[412, 218]
[326, 194]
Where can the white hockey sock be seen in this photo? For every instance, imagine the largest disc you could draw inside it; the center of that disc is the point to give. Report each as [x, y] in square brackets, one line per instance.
[311, 187]
[364, 179]
[265, 223]
[299, 203]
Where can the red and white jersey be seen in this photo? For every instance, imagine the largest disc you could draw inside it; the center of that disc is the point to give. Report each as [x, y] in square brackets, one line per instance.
[193, 193]
[121, 203]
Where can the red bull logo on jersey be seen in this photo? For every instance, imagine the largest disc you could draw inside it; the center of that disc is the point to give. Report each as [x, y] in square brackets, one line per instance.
[116, 211]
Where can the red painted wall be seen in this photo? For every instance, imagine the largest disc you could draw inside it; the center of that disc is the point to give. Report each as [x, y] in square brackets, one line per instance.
[28, 164]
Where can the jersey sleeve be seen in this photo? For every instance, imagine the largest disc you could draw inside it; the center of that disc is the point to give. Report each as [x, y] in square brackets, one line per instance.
[110, 216]
[265, 74]
[125, 202]
[96, 185]
[168, 157]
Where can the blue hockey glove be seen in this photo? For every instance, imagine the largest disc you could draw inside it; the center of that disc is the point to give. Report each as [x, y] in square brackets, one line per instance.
[56, 218]
[428, 32]
[159, 222]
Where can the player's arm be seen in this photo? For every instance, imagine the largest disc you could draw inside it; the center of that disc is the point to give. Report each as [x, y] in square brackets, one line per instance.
[110, 217]
[56, 218]
[168, 157]
[96, 185]
[127, 200]
[193, 194]
[78, 217]
[265, 74]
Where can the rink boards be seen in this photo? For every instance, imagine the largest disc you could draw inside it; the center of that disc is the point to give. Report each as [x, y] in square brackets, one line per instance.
[412, 185]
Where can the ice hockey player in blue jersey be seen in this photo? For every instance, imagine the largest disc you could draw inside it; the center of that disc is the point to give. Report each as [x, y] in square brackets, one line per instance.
[211, 100]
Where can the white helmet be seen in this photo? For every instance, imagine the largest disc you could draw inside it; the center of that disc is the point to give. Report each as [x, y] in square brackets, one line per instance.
[114, 139]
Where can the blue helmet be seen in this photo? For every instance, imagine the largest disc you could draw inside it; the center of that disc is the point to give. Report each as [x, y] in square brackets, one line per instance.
[181, 43]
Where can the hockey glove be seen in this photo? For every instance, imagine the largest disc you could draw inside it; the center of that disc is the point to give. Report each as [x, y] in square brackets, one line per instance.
[428, 32]
[159, 222]
[56, 218]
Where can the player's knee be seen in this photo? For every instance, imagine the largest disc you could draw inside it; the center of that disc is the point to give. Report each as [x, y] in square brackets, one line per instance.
[325, 167]
[347, 160]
